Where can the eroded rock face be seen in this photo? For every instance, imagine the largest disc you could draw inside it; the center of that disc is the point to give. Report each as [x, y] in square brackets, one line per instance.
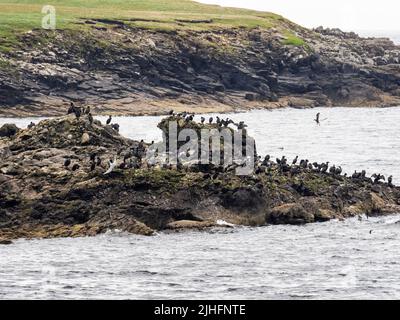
[221, 70]
[43, 195]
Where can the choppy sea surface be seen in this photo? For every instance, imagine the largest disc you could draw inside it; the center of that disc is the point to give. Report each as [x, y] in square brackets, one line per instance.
[333, 260]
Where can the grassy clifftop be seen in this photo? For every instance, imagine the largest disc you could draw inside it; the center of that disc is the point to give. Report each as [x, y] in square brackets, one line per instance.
[24, 15]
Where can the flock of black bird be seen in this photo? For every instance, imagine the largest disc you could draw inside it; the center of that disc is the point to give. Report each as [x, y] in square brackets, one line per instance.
[133, 157]
[295, 167]
[218, 121]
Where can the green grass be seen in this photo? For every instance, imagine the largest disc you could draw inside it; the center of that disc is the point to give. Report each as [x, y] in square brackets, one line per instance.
[17, 16]
[293, 40]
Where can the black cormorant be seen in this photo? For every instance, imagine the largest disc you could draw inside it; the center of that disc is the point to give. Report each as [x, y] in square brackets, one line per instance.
[317, 118]
[31, 125]
[109, 120]
[67, 162]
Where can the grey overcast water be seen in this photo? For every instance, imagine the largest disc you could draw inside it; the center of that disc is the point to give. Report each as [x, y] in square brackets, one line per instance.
[333, 260]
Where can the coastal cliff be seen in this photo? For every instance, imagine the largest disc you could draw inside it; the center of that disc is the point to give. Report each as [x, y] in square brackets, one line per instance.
[122, 67]
[42, 195]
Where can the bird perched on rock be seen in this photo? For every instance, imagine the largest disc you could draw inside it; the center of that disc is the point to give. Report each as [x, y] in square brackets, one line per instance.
[71, 108]
[378, 177]
[31, 125]
[90, 117]
[111, 165]
[75, 167]
[115, 126]
[171, 112]
[78, 112]
[295, 160]
[241, 125]
[390, 181]
[202, 120]
[266, 160]
[210, 120]
[109, 120]
[67, 162]
[87, 110]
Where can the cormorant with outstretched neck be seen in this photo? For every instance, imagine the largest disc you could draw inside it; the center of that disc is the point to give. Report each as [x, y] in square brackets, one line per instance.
[109, 120]
[295, 160]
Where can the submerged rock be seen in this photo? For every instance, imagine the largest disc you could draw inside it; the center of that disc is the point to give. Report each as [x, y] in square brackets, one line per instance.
[5, 242]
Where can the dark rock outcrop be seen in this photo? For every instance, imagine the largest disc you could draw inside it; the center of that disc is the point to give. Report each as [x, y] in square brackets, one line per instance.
[8, 130]
[134, 71]
[43, 195]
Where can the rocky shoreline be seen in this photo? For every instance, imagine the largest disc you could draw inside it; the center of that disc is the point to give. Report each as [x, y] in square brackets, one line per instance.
[122, 70]
[42, 195]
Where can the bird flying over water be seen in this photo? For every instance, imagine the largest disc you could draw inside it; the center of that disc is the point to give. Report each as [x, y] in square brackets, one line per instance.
[317, 118]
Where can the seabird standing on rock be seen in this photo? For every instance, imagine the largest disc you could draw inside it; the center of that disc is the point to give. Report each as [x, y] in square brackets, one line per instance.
[75, 167]
[115, 126]
[78, 112]
[87, 110]
[71, 108]
[295, 160]
[171, 112]
[210, 120]
[31, 125]
[390, 181]
[67, 162]
[109, 120]
[90, 117]
[111, 165]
